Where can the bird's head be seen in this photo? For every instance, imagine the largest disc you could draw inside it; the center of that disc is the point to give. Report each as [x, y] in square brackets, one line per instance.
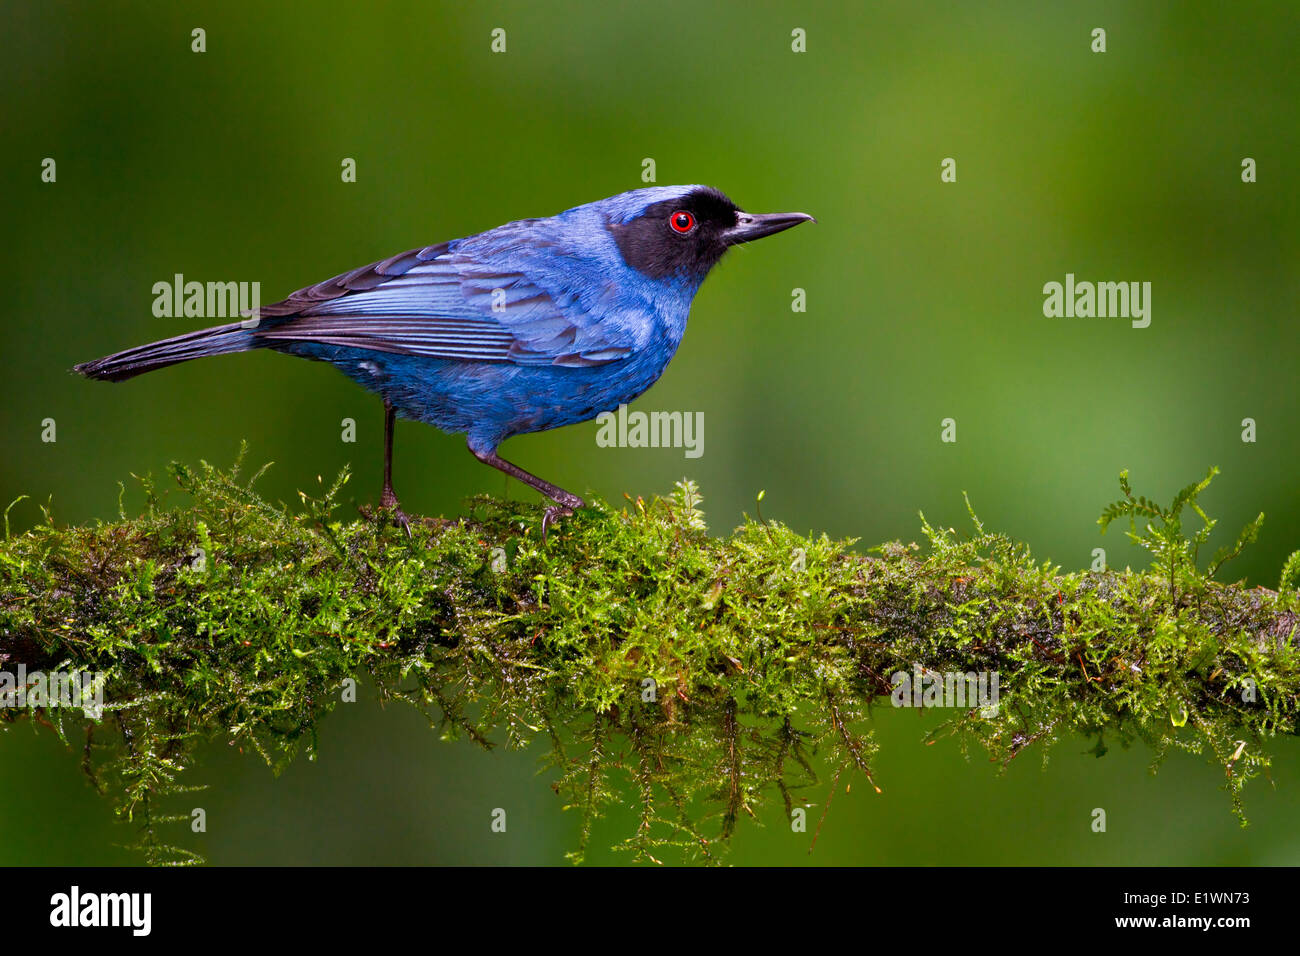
[682, 231]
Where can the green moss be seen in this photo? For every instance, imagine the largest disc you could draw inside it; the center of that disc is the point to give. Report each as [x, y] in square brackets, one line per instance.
[702, 671]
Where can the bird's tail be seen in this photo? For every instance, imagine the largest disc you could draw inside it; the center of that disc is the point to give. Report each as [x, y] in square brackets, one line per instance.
[219, 340]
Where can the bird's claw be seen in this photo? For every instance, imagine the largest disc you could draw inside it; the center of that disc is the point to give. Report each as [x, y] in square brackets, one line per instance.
[553, 514]
[400, 519]
[389, 503]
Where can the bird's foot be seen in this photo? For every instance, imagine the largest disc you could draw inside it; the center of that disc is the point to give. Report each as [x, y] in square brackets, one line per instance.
[388, 502]
[400, 519]
[560, 510]
[553, 514]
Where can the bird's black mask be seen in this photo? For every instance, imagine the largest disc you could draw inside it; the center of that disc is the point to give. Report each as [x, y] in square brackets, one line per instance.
[678, 237]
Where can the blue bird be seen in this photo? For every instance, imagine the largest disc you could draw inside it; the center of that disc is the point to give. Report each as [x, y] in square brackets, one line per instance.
[533, 325]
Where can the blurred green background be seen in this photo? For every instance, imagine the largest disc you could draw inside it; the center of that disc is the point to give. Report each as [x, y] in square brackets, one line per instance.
[924, 301]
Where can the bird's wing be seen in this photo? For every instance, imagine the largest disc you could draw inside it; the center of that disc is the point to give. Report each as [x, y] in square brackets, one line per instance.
[446, 303]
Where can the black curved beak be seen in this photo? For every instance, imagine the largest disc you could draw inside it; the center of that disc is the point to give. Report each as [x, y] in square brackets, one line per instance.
[751, 226]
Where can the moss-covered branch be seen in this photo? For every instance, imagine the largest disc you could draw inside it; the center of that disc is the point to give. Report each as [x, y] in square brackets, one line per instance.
[702, 672]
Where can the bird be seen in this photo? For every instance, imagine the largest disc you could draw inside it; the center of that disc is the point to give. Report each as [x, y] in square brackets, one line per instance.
[533, 325]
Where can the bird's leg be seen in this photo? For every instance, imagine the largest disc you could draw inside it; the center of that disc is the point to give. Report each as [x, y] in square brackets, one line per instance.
[388, 500]
[565, 501]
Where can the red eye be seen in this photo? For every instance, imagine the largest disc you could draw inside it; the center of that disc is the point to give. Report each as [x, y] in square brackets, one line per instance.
[681, 221]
